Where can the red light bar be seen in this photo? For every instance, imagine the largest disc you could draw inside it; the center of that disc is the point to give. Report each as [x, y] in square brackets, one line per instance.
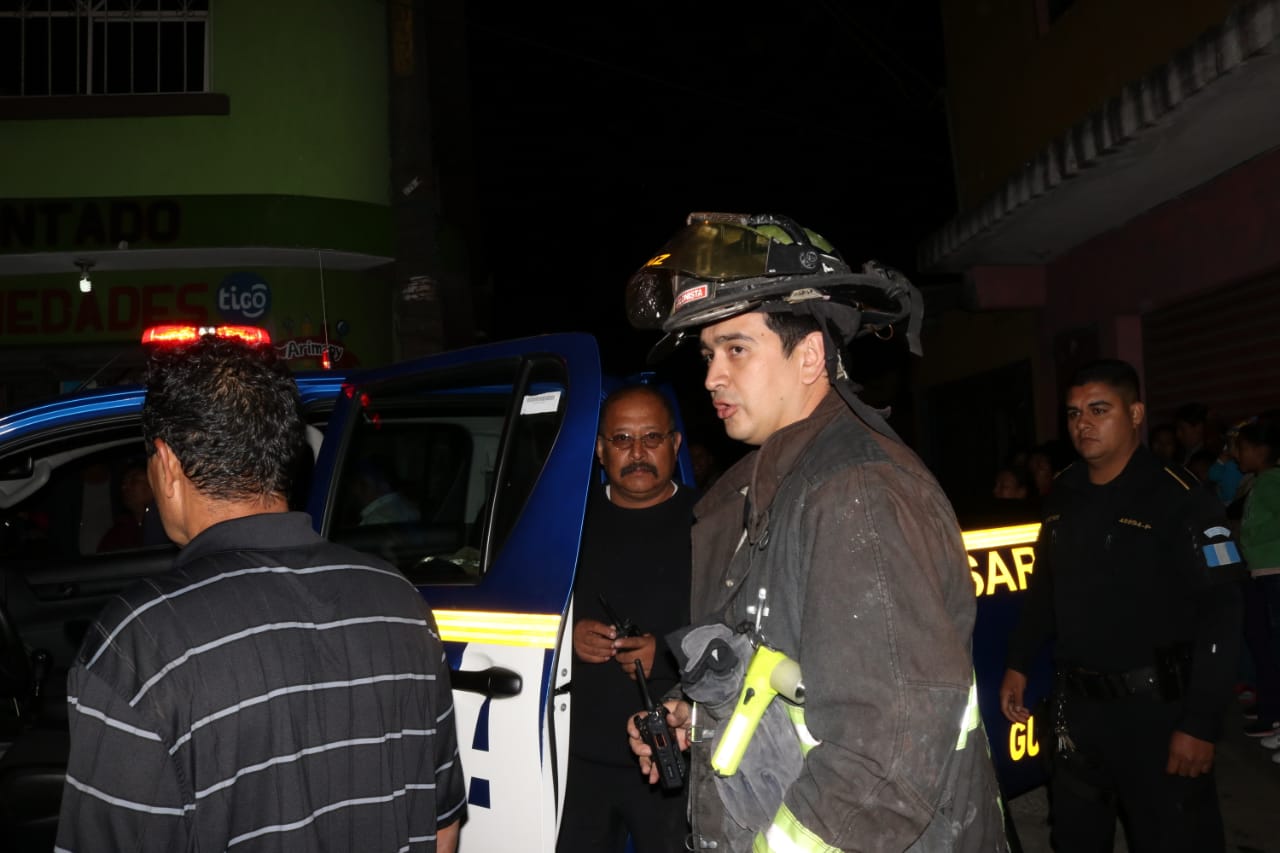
[171, 335]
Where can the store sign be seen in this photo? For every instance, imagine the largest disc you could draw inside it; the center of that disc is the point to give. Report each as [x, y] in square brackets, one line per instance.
[120, 308]
[243, 296]
[297, 348]
[120, 223]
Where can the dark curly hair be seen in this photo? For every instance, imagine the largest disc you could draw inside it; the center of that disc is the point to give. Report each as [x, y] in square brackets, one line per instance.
[231, 413]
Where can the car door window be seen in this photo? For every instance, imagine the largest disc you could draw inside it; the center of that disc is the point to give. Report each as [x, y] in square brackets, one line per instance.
[435, 473]
[83, 494]
[81, 502]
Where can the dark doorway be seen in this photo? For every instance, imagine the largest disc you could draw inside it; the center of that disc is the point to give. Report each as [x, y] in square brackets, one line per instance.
[977, 424]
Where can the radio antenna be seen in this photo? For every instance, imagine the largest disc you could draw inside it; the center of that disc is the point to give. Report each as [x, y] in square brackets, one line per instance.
[325, 359]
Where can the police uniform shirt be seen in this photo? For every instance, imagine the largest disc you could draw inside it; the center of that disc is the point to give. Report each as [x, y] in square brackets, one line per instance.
[1132, 568]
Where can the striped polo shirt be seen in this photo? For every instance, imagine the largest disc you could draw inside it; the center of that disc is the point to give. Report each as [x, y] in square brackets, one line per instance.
[273, 691]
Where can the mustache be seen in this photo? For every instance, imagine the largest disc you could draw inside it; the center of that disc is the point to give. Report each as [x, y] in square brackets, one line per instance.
[638, 466]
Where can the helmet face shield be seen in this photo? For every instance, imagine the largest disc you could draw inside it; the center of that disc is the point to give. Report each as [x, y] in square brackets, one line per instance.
[715, 250]
[660, 299]
[710, 268]
[648, 299]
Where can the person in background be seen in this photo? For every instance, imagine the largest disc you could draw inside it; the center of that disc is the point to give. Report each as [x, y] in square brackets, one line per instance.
[1138, 586]
[1041, 468]
[380, 501]
[1224, 474]
[1194, 431]
[634, 559]
[1163, 441]
[1257, 447]
[135, 495]
[1199, 465]
[1012, 484]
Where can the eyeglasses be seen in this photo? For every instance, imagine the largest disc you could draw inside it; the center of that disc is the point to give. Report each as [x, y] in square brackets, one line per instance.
[650, 440]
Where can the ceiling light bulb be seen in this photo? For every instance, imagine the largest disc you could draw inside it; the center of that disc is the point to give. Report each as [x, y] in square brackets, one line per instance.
[86, 285]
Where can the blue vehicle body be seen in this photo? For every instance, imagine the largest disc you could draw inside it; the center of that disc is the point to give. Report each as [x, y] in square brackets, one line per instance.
[125, 400]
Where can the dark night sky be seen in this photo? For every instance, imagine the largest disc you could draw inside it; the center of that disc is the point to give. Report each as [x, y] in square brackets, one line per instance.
[594, 137]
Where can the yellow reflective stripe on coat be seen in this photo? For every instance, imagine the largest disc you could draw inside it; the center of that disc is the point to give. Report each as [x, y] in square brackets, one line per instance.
[807, 740]
[788, 835]
[971, 718]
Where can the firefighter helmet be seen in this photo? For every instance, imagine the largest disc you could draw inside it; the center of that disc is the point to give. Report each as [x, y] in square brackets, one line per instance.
[724, 264]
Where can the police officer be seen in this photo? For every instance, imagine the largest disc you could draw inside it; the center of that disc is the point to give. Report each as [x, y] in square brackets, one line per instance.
[1136, 578]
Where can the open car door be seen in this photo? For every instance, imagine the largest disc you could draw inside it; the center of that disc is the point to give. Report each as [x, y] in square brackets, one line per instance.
[469, 471]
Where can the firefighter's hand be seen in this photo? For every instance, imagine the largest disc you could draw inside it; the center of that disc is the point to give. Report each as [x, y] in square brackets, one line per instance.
[677, 719]
[593, 640]
[628, 650]
[1011, 690]
[1189, 756]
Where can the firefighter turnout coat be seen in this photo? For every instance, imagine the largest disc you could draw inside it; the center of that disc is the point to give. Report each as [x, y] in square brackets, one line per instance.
[868, 588]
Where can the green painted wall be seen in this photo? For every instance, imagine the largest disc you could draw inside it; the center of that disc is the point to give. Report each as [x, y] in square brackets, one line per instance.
[307, 83]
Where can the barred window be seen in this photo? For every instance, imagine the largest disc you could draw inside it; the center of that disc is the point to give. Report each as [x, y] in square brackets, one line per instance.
[103, 47]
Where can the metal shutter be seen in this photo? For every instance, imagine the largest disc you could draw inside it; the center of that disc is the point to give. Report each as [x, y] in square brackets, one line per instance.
[1220, 348]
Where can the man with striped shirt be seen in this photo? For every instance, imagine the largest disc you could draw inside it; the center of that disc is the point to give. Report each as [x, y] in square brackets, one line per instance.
[272, 691]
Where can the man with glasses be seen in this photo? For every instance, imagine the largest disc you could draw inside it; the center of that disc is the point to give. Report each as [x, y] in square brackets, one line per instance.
[633, 568]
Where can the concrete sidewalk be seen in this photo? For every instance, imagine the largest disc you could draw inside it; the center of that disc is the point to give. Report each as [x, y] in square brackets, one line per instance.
[1248, 786]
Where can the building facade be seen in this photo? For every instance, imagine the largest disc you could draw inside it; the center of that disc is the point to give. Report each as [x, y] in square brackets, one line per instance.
[214, 161]
[1118, 172]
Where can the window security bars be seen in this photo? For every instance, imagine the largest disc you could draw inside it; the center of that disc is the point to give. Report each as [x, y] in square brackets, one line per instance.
[103, 47]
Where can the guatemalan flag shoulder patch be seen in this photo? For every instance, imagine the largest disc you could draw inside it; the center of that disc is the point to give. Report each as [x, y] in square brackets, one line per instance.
[1222, 552]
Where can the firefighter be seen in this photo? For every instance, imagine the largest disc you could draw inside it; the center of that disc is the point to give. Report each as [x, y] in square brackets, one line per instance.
[865, 580]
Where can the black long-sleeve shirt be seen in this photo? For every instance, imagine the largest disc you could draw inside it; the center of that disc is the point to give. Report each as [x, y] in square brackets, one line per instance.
[639, 560]
[1132, 567]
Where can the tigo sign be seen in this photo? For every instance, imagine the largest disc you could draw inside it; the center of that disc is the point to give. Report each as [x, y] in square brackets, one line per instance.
[243, 296]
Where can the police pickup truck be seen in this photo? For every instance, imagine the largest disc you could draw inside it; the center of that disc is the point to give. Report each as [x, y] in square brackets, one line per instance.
[494, 447]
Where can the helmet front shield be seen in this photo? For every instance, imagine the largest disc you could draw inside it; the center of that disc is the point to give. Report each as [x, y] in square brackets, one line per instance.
[709, 269]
